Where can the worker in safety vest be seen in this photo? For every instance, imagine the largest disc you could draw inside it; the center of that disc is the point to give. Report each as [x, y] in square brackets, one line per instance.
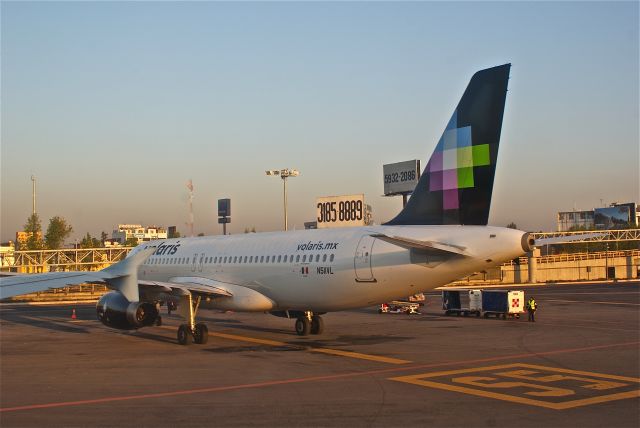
[531, 308]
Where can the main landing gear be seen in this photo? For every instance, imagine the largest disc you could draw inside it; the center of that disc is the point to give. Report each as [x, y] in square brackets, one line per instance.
[309, 323]
[191, 332]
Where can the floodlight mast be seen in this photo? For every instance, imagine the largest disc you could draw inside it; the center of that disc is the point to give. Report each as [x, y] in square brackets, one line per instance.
[284, 174]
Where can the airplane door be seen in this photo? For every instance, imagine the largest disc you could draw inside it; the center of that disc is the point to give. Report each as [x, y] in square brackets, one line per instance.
[195, 261]
[200, 263]
[362, 260]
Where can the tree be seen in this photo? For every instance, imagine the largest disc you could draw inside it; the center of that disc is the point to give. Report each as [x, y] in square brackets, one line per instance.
[57, 232]
[103, 237]
[33, 228]
[131, 242]
[90, 242]
[512, 225]
[173, 234]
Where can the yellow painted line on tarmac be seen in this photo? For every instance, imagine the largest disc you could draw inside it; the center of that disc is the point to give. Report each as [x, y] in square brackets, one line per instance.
[369, 357]
[491, 384]
[327, 351]
[248, 339]
[55, 320]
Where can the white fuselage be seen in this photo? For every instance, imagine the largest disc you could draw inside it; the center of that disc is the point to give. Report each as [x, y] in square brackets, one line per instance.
[328, 269]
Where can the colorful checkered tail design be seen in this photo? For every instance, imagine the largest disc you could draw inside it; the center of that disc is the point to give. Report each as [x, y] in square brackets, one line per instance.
[456, 185]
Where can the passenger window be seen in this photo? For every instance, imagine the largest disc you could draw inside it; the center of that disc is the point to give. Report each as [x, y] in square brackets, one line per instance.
[245, 259]
[324, 258]
[250, 259]
[267, 261]
[317, 258]
[225, 259]
[279, 259]
[261, 259]
[298, 258]
[235, 259]
[304, 258]
[331, 258]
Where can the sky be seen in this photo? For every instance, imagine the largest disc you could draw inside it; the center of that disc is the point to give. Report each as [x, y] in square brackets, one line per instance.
[114, 106]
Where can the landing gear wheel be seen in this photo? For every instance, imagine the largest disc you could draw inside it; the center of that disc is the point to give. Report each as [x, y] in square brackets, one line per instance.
[184, 335]
[317, 325]
[159, 321]
[302, 326]
[201, 335]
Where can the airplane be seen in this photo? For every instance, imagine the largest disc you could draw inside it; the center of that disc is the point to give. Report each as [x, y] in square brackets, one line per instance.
[441, 235]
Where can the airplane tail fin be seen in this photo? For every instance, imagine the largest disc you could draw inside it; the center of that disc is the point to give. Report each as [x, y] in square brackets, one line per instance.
[456, 185]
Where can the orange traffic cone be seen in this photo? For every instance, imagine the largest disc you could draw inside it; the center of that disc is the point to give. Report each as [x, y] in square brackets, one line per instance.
[73, 314]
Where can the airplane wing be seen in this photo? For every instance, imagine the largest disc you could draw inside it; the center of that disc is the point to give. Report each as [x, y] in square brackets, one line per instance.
[410, 243]
[24, 284]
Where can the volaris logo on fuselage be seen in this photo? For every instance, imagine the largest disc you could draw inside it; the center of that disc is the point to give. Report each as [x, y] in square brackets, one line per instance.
[169, 250]
[317, 246]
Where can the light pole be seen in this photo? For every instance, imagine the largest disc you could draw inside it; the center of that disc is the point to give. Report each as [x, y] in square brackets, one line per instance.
[284, 174]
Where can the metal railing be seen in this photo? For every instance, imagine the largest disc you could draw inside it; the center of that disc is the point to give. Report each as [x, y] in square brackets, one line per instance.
[603, 235]
[63, 259]
[570, 257]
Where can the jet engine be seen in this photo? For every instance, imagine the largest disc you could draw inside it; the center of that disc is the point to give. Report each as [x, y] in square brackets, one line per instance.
[115, 311]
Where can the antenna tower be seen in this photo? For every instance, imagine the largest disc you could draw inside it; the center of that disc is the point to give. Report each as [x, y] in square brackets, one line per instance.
[190, 223]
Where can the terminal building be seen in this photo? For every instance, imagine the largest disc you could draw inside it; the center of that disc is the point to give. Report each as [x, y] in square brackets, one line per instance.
[615, 216]
[141, 234]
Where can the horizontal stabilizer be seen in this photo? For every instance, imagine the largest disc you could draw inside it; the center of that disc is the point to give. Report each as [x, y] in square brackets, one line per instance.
[409, 243]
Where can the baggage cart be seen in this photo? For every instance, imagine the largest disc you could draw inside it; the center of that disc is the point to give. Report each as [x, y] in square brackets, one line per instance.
[462, 302]
[503, 303]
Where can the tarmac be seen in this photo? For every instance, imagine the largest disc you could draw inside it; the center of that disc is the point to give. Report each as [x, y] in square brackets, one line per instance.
[577, 365]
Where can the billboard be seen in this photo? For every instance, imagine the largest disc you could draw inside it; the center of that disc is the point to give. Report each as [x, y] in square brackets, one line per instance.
[340, 211]
[611, 217]
[401, 177]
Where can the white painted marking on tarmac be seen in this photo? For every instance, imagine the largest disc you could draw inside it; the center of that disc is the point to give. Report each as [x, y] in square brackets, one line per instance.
[596, 303]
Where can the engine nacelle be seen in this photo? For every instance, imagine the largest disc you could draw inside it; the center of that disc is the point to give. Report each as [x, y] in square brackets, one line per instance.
[115, 311]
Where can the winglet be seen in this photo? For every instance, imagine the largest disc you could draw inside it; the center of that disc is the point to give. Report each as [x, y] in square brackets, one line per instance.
[124, 274]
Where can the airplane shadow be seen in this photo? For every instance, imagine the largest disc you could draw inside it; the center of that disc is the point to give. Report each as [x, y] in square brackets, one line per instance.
[146, 335]
[253, 348]
[61, 325]
[350, 340]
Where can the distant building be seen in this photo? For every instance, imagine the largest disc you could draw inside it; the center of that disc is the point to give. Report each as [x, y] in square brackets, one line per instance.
[613, 217]
[7, 250]
[172, 232]
[137, 232]
[571, 220]
[109, 243]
